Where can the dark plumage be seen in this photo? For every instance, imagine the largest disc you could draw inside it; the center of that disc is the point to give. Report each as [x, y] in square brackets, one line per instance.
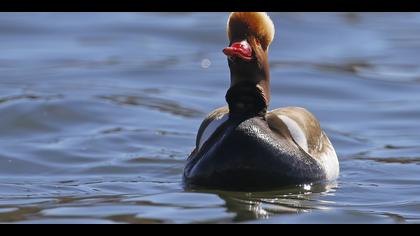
[244, 146]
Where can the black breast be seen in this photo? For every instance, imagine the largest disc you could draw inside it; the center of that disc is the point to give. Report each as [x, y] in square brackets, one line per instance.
[249, 155]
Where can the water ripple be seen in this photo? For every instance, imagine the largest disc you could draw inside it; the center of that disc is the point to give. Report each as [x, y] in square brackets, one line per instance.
[99, 111]
[160, 104]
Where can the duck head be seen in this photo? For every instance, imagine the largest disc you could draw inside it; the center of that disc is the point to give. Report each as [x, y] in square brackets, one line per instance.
[250, 35]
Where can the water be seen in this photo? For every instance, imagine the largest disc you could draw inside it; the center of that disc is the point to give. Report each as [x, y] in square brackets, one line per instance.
[99, 112]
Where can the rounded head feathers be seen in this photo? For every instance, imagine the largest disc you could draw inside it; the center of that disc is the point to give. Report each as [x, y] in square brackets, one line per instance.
[258, 24]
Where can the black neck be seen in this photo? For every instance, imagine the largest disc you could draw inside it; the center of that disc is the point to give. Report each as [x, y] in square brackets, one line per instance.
[246, 100]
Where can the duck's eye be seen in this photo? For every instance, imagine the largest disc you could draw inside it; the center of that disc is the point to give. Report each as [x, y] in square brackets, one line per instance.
[257, 42]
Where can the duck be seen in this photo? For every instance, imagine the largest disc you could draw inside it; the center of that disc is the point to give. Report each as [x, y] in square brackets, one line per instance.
[243, 145]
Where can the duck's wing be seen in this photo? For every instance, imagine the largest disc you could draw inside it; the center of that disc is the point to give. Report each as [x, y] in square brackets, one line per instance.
[300, 124]
[210, 124]
[306, 132]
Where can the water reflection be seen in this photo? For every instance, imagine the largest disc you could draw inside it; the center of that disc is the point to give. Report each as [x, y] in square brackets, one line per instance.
[264, 205]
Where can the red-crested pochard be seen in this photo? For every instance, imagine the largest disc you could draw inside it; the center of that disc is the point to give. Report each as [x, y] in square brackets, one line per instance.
[244, 146]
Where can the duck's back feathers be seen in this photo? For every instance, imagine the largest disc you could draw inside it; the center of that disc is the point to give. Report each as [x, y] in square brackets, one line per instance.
[304, 129]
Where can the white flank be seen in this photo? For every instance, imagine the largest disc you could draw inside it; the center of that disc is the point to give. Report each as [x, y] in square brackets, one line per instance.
[296, 132]
[329, 161]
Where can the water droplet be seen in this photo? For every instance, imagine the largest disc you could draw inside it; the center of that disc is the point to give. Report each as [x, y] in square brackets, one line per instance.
[205, 63]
